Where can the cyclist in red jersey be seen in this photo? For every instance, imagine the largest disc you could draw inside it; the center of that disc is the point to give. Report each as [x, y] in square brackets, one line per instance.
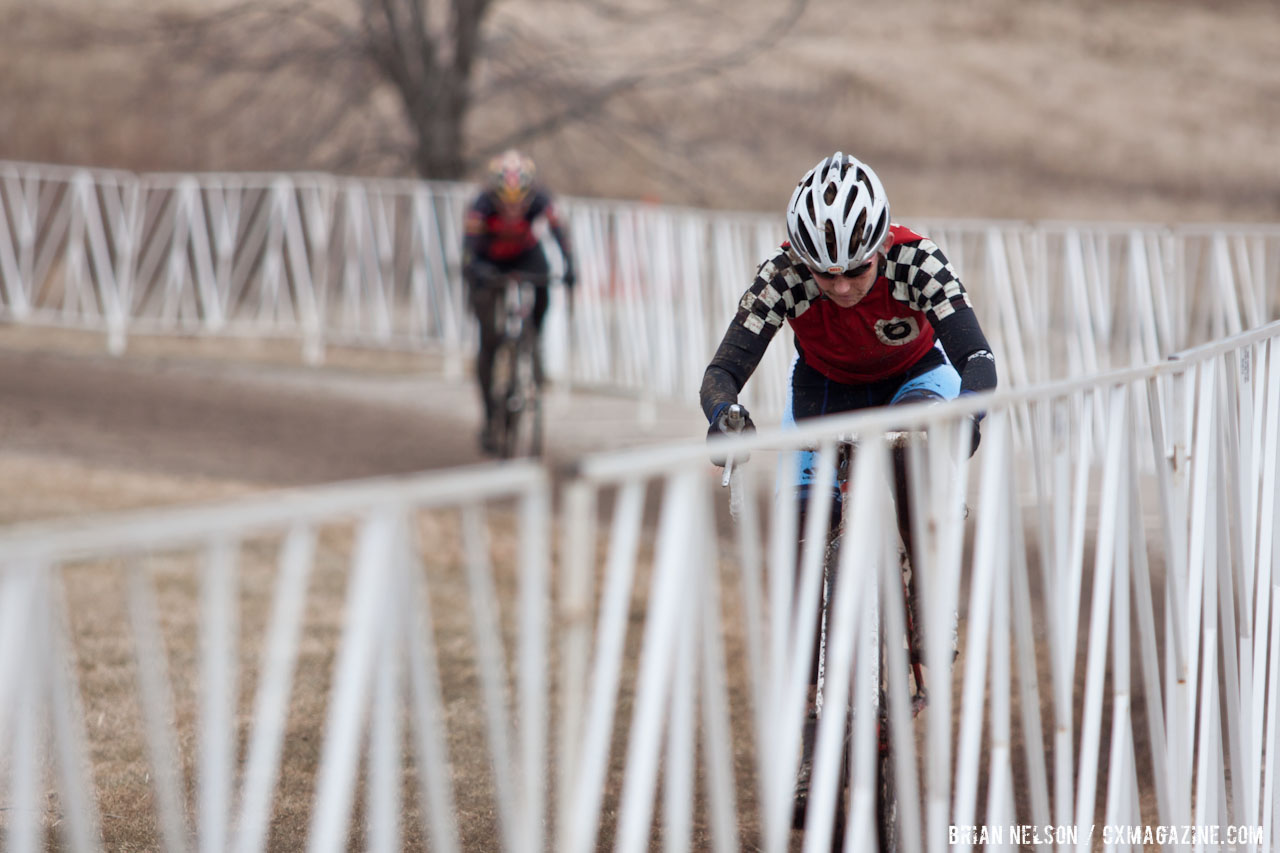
[500, 238]
[879, 318]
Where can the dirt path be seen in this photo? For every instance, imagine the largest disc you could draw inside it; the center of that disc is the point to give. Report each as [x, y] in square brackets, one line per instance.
[189, 420]
[172, 418]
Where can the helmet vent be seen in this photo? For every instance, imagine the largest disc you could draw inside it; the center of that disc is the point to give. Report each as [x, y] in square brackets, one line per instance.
[855, 233]
[882, 225]
[809, 248]
[830, 233]
[866, 182]
[848, 203]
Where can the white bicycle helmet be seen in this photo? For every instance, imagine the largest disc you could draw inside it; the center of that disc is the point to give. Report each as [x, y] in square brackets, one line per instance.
[838, 216]
[511, 173]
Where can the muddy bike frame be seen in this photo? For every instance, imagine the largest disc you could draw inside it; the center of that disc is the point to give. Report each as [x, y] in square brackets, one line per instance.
[836, 829]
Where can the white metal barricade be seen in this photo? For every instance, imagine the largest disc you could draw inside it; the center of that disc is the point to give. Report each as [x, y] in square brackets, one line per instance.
[324, 259]
[1116, 583]
[362, 570]
[1095, 593]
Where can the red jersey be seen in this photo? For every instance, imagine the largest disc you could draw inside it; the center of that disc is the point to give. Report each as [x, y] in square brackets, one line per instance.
[497, 234]
[881, 336]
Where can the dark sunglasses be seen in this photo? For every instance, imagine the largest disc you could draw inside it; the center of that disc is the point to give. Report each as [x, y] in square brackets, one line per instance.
[853, 273]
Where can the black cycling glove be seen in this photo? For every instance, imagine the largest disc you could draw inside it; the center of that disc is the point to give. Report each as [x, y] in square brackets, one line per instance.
[975, 427]
[975, 424]
[729, 419]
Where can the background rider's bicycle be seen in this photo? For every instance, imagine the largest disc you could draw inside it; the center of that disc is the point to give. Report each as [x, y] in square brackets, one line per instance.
[516, 388]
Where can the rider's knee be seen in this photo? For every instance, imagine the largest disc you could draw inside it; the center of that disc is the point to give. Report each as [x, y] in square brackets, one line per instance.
[919, 395]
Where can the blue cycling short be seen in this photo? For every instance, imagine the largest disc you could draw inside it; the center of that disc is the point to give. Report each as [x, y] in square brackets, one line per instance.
[812, 395]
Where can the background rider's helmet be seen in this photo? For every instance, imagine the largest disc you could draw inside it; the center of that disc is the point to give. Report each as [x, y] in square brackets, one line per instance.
[511, 176]
[838, 216]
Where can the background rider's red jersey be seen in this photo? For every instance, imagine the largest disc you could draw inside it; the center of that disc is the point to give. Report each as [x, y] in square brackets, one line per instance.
[881, 336]
[498, 234]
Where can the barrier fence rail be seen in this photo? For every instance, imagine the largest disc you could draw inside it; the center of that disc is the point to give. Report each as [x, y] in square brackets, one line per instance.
[217, 568]
[330, 260]
[463, 669]
[1177, 645]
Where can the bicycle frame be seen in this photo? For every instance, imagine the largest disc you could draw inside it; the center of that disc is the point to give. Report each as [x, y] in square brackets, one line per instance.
[901, 443]
[515, 310]
[516, 382]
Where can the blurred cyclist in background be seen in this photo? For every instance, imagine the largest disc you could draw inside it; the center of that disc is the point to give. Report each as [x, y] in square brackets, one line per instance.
[499, 239]
[880, 318]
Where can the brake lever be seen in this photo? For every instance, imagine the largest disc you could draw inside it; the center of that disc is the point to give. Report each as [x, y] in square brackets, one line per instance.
[734, 421]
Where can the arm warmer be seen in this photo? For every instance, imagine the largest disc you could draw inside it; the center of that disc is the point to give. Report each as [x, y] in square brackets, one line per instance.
[967, 347]
[735, 360]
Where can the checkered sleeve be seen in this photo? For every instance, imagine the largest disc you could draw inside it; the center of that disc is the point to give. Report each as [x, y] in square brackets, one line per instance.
[779, 292]
[924, 279]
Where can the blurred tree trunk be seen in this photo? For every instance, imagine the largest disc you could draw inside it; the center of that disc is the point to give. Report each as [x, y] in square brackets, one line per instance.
[431, 73]
[386, 86]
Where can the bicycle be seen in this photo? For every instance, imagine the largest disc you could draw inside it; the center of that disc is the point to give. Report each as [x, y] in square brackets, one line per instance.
[886, 805]
[516, 388]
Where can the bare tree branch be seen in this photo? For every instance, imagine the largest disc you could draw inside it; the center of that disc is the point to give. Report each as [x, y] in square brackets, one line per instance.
[586, 103]
[319, 81]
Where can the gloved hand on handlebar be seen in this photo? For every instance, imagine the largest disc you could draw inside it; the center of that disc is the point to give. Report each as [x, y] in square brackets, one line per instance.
[569, 277]
[728, 419]
[975, 427]
[975, 422]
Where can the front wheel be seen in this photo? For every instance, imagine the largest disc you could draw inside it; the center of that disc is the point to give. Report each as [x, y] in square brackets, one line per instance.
[500, 390]
[886, 792]
[521, 407]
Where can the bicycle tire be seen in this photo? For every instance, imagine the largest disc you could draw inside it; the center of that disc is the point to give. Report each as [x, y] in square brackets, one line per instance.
[886, 788]
[887, 825]
[502, 386]
[840, 820]
[842, 798]
[886, 802]
[522, 407]
[526, 433]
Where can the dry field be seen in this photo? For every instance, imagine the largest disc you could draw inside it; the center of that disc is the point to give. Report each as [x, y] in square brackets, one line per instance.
[1130, 109]
[181, 422]
[104, 644]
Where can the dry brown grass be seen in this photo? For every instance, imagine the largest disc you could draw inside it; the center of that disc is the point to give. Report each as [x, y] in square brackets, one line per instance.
[105, 647]
[996, 108]
[107, 670]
